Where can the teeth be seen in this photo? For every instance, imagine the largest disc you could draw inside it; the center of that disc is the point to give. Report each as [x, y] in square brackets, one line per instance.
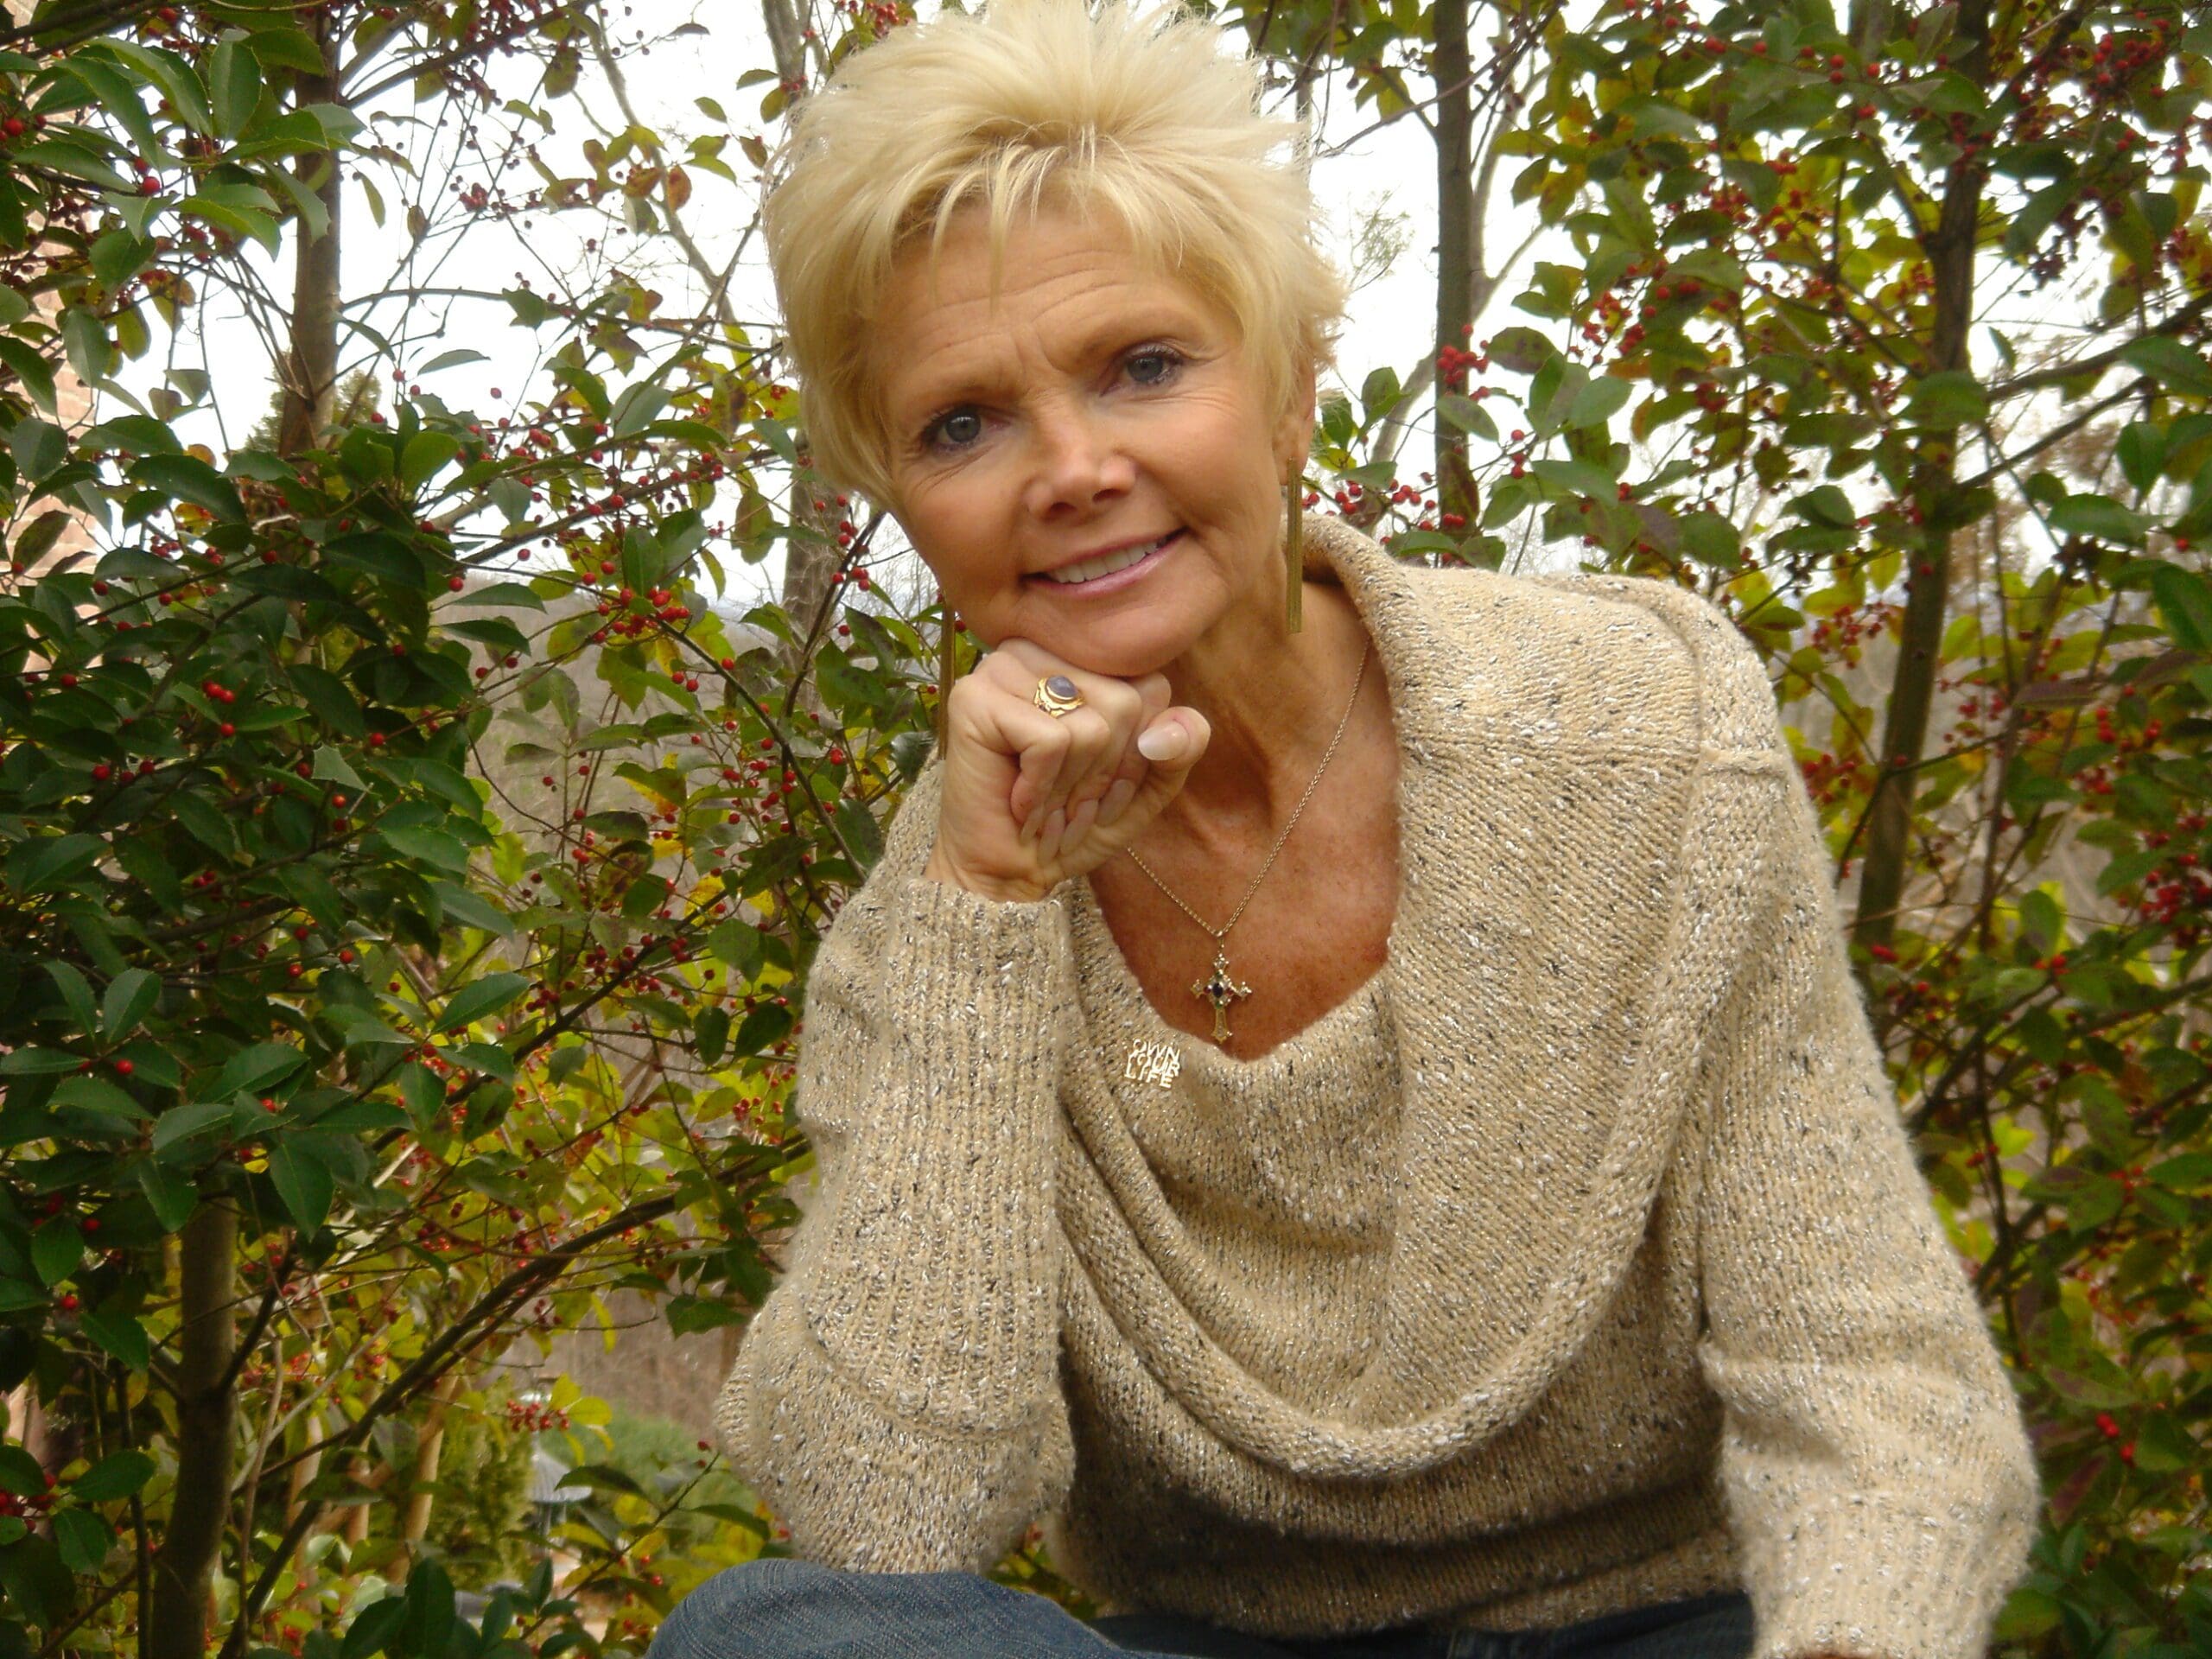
[1092, 570]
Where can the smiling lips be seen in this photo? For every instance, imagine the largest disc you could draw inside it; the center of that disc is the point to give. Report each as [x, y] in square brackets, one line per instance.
[1106, 563]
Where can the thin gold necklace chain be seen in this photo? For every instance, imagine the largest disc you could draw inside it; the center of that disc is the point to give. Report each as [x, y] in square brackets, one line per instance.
[1222, 932]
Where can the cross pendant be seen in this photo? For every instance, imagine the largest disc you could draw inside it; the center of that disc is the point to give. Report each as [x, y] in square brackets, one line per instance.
[1219, 989]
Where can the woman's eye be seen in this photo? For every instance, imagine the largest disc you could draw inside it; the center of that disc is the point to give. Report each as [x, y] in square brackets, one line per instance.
[1152, 365]
[956, 429]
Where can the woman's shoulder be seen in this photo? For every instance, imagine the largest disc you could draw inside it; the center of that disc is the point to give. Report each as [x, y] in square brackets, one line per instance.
[1622, 637]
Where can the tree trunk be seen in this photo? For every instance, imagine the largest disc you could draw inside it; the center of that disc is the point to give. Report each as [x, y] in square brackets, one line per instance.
[309, 370]
[207, 1409]
[1950, 249]
[1455, 245]
[430, 1443]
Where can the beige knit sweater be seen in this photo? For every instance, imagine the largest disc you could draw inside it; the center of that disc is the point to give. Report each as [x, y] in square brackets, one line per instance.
[1578, 1262]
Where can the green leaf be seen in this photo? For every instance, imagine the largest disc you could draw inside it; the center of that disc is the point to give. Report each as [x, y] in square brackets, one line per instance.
[185, 1122]
[1521, 350]
[44, 863]
[452, 359]
[2142, 450]
[1827, 506]
[711, 1033]
[38, 446]
[2184, 602]
[119, 256]
[36, 375]
[176, 78]
[2168, 362]
[83, 1538]
[1467, 414]
[501, 592]
[1598, 401]
[77, 992]
[118, 1475]
[121, 1335]
[39, 536]
[333, 703]
[1953, 398]
[740, 946]
[302, 1180]
[189, 478]
[84, 342]
[57, 1250]
[1578, 477]
[432, 846]
[1711, 539]
[171, 1196]
[602, 1478]
[2185, 1173]
[93, 1093]
[425, 454]
[130, 997]
[482, 997]
[688, 1314]
[37, 1063]
[330, 768]
[253, 1070]
[119, 98]
[256, 223]
[2097, 516]
[285, 47]
[233, 86]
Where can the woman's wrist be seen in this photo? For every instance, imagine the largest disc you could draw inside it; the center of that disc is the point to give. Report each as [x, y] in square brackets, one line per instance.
[942, 869]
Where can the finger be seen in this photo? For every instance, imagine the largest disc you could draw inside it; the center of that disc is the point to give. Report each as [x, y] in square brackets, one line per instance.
[1153, 696]
[1080, 823]
[1089, 742]
[1116, 799]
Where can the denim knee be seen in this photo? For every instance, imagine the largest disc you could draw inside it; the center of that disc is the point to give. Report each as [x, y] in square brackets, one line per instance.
[783, 1608]
[706, 1624]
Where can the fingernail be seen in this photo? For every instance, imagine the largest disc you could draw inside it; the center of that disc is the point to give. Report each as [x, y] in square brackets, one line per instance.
[1161, 742]
[1116, 800]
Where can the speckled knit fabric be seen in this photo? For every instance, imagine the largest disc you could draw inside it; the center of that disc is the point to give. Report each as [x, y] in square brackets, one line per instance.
[1578, 1262]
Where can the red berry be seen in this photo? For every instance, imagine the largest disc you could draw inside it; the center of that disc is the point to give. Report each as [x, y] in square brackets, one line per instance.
[124, 1067]
[455, 583]
[69, 1301]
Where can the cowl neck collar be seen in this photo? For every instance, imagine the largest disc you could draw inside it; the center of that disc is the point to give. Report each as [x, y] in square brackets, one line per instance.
[1586, 768]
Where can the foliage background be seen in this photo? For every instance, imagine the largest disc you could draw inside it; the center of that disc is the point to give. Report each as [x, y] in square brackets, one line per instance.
[417, 814]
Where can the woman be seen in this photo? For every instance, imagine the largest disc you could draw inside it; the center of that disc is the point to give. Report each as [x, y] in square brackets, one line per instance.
[1344, 1098]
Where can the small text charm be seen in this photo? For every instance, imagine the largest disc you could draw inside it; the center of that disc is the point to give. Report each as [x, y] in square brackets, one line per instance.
[1157, 1063]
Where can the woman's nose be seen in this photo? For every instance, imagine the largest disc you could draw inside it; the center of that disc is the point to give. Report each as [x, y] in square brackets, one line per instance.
[1078, 463]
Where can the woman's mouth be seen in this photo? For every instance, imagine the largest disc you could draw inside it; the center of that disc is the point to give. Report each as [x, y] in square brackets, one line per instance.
[1109, 571]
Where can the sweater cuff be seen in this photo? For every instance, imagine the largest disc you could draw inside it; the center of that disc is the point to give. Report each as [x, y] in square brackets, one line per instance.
[938, 1289]
[1879, 1578]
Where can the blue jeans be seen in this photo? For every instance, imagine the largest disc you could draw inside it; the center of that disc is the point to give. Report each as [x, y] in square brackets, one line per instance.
[777, 1608]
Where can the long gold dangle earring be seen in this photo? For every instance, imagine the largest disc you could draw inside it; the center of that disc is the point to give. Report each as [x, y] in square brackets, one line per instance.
[948, 657]
[1293, 554]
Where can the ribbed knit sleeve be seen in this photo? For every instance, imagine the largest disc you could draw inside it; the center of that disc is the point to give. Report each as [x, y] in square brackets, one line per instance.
[896, 1401]
[1874, 1459]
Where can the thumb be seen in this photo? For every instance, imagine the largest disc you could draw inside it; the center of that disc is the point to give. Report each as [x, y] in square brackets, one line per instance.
[1173, 743]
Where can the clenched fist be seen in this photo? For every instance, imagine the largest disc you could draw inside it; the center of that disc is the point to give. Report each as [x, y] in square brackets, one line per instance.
[1031, 800]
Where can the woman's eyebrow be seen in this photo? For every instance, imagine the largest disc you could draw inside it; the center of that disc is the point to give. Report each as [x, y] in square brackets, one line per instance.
[1102, 336]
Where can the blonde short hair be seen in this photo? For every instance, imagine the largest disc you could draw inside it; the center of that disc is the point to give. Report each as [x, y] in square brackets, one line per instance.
[1144, 117]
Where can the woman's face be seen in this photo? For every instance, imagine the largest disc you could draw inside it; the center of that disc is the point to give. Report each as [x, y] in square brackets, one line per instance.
[1098, 410]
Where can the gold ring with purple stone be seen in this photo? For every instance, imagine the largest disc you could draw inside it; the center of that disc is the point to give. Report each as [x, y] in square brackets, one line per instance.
[1057, 695]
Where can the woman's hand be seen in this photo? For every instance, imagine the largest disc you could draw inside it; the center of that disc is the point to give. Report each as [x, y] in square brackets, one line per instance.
[1030, 800]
